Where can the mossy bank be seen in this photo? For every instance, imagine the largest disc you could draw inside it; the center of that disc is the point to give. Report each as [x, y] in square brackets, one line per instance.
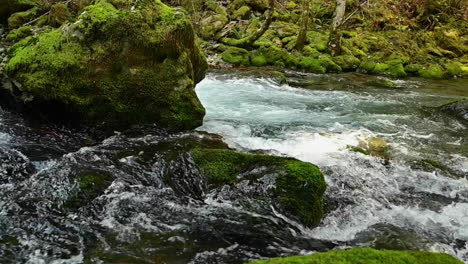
[358, 256]
[394, 39]
[113, 66]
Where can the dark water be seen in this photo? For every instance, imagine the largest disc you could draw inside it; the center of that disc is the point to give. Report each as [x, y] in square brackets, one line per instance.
[151, 204]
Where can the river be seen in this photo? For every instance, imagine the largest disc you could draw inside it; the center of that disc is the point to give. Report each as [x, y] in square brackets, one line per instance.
[415, 198]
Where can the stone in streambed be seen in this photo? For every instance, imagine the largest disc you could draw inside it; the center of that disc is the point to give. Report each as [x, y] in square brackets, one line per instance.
[299, 186]
[458, 109]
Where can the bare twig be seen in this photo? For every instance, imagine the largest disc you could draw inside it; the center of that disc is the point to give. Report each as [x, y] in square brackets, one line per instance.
[354, 12]
[45, 14]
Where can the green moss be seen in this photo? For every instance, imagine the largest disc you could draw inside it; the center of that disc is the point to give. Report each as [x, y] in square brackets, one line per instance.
[310, 52]
[454, 69]
[376, 147]
[347, 62]
[299, 186]
[291, 5]
[380, 68]
[90, 184]
[357, 149]
[433, 71]
[211, 25]
[259, 61]
[19, 33]
[367, 66]
[9, 240]
[243, 12]
[75, 66]
[279, 57]
[58, 14]
[279, 77]
[327, 62]
[395, 69]
[301, 190]
[368, 256]
[284, 29]
[413, 68]
[312, 65]
[20, 18]
[317, 40]
[236, 56]
[259, 5]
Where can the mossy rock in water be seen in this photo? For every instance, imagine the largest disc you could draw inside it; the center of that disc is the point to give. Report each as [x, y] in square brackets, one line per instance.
[90, 184]
[299, 186]
[375, 147]
[116, 66]
[368, 256]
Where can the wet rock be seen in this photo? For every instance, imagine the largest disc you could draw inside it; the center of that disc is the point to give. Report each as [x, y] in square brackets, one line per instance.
[374, 147]
[458, 109]
[89, 185]
[14, 166]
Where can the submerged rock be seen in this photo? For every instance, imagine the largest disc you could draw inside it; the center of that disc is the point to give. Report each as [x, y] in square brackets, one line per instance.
[458, 109]
[115, 66]
[14, 166]
[365, 255]
[375, 147]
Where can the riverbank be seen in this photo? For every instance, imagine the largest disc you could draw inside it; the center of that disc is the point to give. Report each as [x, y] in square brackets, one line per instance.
[396, 39]
[381, 38]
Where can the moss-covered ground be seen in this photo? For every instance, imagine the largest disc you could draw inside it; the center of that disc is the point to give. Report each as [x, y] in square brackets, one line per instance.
[366, 256]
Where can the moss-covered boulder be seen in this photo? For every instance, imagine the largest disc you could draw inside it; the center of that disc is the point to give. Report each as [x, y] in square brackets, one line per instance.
[8, 7]
[236, 56]
[20, 18]
[19, 33]
[370, 256]
[213, 20]
[116, 66]
[299, 186]
[376, 147]
[347, 62]
[433, 71]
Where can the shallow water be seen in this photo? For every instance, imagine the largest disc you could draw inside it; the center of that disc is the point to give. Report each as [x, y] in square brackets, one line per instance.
[155, 206]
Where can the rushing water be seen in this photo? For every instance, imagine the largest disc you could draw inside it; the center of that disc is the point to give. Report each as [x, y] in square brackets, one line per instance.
[396, 204]
[154, 207]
